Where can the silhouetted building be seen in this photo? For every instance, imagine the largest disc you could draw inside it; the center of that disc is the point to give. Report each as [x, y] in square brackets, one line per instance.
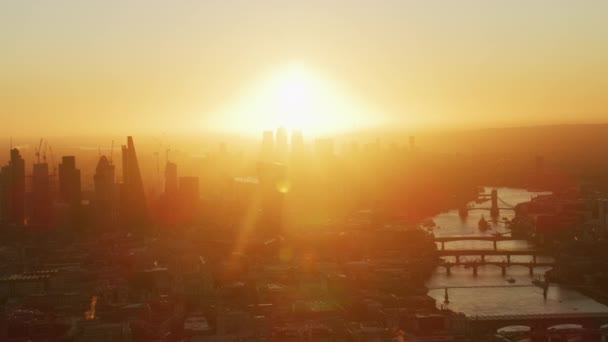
[40, 209]
[105, 193]
[12, 190]
[69, 181]
[267, 151]
[133, 210]
[169, 201]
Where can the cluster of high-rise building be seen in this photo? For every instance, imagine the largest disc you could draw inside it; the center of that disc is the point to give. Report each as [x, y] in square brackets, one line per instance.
[276, 146]
[44, 198]
[12, 187]
[179, 204]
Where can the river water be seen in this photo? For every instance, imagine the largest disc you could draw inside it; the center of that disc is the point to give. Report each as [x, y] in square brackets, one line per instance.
[489, 293]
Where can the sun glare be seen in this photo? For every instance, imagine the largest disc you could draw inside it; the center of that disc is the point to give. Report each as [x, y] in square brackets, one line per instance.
[297, 98]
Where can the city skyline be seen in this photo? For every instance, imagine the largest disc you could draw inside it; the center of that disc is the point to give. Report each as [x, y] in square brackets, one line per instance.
[299, 171]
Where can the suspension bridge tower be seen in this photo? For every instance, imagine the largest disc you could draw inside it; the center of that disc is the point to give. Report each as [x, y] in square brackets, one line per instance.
[494, 211]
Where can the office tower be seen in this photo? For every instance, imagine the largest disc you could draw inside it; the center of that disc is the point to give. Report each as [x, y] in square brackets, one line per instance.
[41, 195]
[132, 197]
[171, 181]
[189, 197]
[69, 181]
[272, 179]
[12, 190]
[281, 145]
[267, 151]
[105, 193]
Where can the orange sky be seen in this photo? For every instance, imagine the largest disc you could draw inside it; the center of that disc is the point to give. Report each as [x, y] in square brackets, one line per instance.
[85, 67]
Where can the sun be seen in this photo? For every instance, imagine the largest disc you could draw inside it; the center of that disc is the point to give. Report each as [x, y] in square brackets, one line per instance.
[298, 98]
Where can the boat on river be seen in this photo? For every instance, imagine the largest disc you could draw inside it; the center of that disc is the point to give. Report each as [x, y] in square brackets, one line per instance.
[463, 212]
[540, 283]
[483, 224]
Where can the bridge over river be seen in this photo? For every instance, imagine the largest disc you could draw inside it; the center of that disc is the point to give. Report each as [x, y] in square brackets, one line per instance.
[494, 239]
[482, 253]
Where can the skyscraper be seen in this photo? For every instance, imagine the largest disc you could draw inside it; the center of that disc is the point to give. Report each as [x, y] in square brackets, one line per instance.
[12, 190]
[105, 193]
[132, 197]
[41, 212]
[69, 181]
[169, 204]
[69, 190]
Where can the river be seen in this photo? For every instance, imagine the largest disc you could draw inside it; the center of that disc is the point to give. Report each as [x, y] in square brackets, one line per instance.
[489, 293]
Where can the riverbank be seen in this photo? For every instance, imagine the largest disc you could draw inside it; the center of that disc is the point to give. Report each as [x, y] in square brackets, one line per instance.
[594, 293]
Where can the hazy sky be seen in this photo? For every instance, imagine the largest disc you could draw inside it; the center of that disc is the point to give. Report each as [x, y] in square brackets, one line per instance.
[74, 67]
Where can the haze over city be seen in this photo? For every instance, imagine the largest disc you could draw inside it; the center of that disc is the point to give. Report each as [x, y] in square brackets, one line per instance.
[303, 171]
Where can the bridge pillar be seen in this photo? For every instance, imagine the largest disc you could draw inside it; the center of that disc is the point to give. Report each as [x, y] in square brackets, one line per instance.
[442, 245]
[504, 270]
[475, 270]
[531, 269]
[495, 244]
[508, 258]
[457, 258]
[483, 258]
[448, 269]
[534, 258]
[494, 211]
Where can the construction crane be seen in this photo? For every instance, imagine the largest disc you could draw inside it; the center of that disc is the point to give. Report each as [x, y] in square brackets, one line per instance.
[44, 152]
[38, 151]
[158, 179]
[53, 160]
[111, 152]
